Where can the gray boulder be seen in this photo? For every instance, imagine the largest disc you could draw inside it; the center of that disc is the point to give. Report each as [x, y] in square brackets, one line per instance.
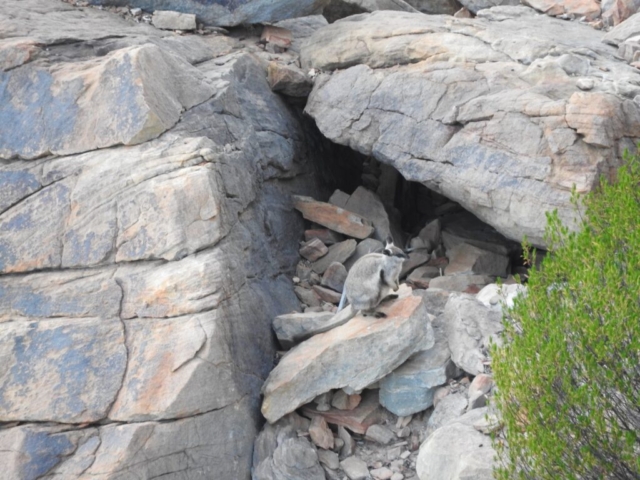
[410, 388]
[456, 452]
[223, 13]
[471, 326]
[508, 151]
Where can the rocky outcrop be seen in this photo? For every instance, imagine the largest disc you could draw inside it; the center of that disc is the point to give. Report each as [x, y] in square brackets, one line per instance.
[505, 128]
[353, 355]
[145, 230]
[223, 13]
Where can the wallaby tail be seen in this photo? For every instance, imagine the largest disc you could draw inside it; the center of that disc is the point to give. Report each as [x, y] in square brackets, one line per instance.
[343, 299]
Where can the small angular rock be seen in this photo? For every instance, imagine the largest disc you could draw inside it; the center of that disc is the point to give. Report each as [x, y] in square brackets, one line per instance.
[334, 276]
[327, 294]
[344, 401]
[467, 259]
[431, 233]
[421, 276]
[307, 296]
[329, 459]
[320, 433]
[328, 237]
[332, 217]
[449, 409]
[170, 20]
[382, 473]
[313, 249]
[366, 203]
[339, 199]
[339, 252]
[348, 443]
[416, 258]
[278, 36]
[358, 419]
[380, 434]
[355, 468]
[288, 80]
[368, 245]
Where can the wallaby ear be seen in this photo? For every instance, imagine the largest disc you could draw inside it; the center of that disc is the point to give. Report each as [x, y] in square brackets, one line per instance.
[389, 240]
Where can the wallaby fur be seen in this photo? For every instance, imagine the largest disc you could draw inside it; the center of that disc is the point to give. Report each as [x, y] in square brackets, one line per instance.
[372, 278]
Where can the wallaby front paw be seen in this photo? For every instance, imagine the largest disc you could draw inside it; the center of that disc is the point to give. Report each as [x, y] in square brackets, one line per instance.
[393, 296]
[380, 315]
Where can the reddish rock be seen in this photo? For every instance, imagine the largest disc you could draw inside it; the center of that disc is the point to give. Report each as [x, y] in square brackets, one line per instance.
[320, 433]
[343, 401]
[328, 237]
[313, 250]
[358, 420]
[278, 36]
[333, 217]
[327, 294]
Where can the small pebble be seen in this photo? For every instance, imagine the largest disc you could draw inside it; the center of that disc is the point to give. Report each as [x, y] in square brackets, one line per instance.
[397, 476]
[405, 454]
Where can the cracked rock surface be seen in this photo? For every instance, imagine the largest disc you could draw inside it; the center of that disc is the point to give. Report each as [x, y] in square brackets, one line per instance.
[146, 228]
[514, 107]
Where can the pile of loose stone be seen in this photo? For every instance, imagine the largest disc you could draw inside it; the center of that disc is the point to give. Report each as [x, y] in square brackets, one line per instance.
[400, 397]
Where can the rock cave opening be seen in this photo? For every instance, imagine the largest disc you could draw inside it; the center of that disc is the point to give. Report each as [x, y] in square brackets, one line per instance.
[410, 207]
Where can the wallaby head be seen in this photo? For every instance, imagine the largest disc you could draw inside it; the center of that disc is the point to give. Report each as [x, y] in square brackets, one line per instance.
[392, 251]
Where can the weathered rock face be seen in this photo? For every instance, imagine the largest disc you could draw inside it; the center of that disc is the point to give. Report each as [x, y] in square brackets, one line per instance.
[502, 126]
[225, 13]
[138, 282]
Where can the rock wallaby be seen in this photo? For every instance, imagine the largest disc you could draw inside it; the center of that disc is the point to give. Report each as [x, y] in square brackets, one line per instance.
[372, 278]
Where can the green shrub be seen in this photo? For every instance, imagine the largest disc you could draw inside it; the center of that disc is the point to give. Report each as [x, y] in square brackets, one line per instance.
[568, 375]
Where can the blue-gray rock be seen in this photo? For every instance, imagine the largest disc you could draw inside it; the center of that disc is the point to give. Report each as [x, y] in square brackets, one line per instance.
[409, 388]
[229, 13]
[62, 370]
[142, 449]
[143, 86]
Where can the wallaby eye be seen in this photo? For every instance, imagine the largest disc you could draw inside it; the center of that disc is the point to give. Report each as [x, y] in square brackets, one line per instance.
[387, 252]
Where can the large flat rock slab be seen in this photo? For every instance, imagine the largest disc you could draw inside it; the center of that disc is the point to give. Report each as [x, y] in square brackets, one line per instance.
[502, 127]
[333, 217]
[354, 355]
